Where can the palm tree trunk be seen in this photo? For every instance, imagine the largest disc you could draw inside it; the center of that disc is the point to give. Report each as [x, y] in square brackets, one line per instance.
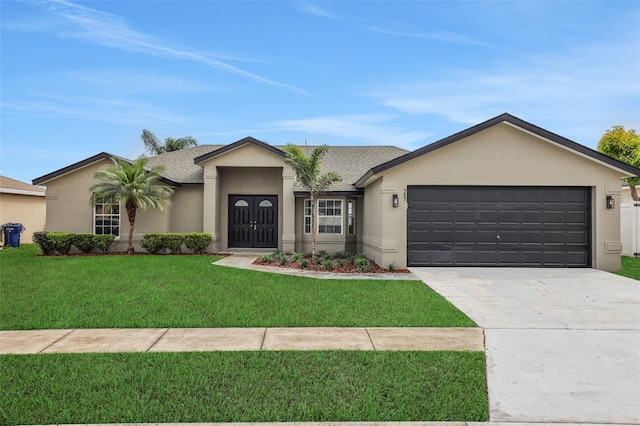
[131, 214]
[313, 229]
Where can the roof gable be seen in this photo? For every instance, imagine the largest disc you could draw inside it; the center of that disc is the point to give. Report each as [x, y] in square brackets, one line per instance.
[515, 122]
[238, 144]
[75, 166]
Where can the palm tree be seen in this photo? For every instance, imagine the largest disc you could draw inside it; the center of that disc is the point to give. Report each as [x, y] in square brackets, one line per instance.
[133, 185]
[307, 170]
[154, 147]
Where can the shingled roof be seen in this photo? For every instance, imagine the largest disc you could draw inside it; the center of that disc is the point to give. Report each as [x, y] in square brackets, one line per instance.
[12, 186]
[350, 162]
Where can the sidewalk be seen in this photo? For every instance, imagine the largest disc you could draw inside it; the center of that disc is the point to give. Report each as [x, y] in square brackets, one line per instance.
[240, 339]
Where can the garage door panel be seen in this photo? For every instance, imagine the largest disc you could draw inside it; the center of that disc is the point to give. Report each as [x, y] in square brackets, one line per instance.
[503, 226]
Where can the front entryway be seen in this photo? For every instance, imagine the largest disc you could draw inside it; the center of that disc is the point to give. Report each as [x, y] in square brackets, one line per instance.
[253, 221]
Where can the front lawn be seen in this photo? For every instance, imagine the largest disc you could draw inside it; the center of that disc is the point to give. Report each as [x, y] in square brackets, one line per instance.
[40, 292]
[243, 387]
[630, 267]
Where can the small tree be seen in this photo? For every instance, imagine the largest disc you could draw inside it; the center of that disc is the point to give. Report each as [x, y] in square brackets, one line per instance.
[133, 185]
[623, 145]
[307, 170]
[154, 147]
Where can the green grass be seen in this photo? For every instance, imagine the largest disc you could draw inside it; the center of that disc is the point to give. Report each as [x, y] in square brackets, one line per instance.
[630, 267]
[40, 292]
[243, 387]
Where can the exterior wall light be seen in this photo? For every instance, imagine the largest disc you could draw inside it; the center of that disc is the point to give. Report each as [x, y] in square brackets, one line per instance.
[611, 203]
[394, 200]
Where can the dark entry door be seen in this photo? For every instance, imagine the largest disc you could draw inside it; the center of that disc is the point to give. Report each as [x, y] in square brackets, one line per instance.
[253, 221]
[499, 226]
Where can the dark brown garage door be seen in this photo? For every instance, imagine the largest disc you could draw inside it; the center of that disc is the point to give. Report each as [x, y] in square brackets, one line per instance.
[499, 226]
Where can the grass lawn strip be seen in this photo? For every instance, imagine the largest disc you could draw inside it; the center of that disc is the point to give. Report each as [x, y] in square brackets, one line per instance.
[243, 387]
[190, 292]
[630, 267]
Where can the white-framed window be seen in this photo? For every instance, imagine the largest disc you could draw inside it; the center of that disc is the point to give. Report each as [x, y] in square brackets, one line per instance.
[330, 217]
[307, 216]
[106, 217]
[351, 217]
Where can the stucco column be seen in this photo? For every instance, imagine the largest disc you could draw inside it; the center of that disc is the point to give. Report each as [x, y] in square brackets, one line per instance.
[210, 216]
[288, 210]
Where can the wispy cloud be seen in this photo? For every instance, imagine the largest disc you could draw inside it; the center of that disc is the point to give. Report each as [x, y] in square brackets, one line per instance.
[107, 110]
[123, 81]
[110, 30]
[593, 86]
[440, 36]
[315, 10]
[374, 129]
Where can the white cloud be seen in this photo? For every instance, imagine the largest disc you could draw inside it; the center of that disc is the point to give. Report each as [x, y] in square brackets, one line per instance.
[315, 10]
[119, 111]
[369, 129]
[592, 88]
[105, 29]
[441, 36]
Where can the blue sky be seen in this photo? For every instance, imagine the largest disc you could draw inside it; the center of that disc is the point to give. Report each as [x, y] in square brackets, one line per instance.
[79, 78]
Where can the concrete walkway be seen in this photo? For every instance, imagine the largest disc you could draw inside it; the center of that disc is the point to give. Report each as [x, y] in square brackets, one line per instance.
[240, 339]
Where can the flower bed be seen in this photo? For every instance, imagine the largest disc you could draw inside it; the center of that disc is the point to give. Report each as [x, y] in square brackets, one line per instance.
[342, 262]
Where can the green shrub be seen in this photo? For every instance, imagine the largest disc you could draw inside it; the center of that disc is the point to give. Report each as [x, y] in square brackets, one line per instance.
[342, 255]
[104, 242]
[328, 264]
[61, 241]
[198, 242]
[323, 254]
[282, 258]
[84, 242]
[392, 267]
[362, 263]
[172, 242]
[266, 258]
[297, 257]
[41, 239]
[342, 262]
[152, 243]
[303, 263]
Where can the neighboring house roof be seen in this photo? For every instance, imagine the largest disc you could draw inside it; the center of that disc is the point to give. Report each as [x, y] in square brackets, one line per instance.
[12, 186]
[503, 118]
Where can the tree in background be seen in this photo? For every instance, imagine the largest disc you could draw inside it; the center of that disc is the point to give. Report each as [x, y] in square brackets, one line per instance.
[623, 145]
[154, 147]
[133, 185]
[307, 170]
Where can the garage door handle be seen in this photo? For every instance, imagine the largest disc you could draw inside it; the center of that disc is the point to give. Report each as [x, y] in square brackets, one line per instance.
[497, 237]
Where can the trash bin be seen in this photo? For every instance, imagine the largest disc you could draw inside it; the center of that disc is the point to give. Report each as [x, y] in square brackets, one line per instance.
[12, 234]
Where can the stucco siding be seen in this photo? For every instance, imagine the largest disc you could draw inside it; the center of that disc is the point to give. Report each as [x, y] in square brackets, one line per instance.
[29, 210]
[68, 200]
[503, 156]
[186, 210]
[69, 208]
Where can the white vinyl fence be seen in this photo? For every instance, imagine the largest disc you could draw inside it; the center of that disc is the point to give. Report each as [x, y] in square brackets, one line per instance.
[630, 228]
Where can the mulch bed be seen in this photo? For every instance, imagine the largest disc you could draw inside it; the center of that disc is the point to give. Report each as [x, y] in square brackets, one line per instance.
[347, 269]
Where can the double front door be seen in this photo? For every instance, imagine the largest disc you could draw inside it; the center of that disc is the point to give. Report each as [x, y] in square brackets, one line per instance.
[253, 221]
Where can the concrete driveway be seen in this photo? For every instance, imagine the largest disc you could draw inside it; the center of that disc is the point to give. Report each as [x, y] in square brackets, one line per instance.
[563, 345]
